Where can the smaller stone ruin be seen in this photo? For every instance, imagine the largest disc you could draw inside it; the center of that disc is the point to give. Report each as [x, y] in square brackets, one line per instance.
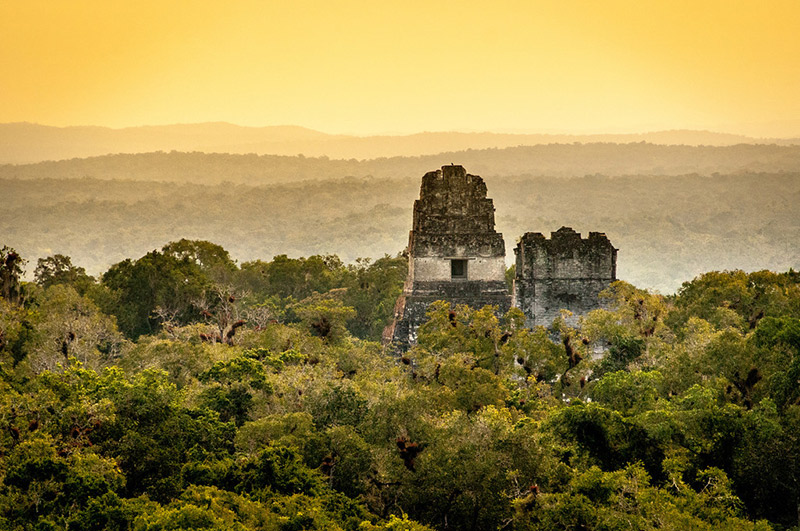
[563, 272]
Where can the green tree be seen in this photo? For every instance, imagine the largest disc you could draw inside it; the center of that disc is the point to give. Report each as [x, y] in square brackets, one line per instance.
[153, 434]
[70, 325]
[293, 277]
[372, 291]
[58, 269]
[632, 328]
[628, 392]
[627, 499]
[778, 340]
[751, 297]
[604, 437]
[11, 271]
[155, 281]
[233, 384]
[325, 317]
[17, 332]
[211, 258]
[534, 357]
[41, 485]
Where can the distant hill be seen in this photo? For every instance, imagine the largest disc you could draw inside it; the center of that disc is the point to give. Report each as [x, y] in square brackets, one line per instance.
[27, 143]
[551, 160]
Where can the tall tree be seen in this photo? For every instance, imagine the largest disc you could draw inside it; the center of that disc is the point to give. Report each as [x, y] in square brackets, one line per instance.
[155, 282]
[58, 269]
[11, 271]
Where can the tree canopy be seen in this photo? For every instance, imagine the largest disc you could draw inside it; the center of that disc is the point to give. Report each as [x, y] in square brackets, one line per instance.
[181, 390]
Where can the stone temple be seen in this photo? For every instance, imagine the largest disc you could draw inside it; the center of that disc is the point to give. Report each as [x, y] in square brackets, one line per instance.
[455, 255]
[565, 272]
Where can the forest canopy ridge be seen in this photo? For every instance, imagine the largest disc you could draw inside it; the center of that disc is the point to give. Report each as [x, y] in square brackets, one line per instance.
[553, 160]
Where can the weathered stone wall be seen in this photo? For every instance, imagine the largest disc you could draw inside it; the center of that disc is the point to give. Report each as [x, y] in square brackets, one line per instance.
[411, 307]
[563, 272]
[436, 269]
[453, 220]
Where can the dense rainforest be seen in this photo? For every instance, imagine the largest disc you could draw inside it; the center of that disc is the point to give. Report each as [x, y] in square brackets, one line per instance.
[181, 390]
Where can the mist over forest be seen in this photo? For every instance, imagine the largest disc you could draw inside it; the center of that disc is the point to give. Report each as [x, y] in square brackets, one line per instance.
[673, 211]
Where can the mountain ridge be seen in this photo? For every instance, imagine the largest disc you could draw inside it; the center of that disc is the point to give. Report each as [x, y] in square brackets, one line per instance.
[26, 142]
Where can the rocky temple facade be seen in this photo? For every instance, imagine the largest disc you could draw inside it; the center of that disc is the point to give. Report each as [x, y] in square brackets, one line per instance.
[564, 272]
[455, 254]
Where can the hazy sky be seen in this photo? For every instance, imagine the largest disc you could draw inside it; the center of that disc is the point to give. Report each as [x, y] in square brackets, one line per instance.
[380, 66]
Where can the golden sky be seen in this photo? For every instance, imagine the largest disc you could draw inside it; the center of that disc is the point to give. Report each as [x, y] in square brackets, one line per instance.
[377, 66]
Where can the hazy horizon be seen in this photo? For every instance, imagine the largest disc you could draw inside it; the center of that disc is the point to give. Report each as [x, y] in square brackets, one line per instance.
[730, 129]
[363, 68]
[30, 143]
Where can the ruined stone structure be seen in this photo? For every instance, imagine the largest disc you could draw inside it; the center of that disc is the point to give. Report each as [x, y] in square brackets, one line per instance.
[454, 253]
[564, 272]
